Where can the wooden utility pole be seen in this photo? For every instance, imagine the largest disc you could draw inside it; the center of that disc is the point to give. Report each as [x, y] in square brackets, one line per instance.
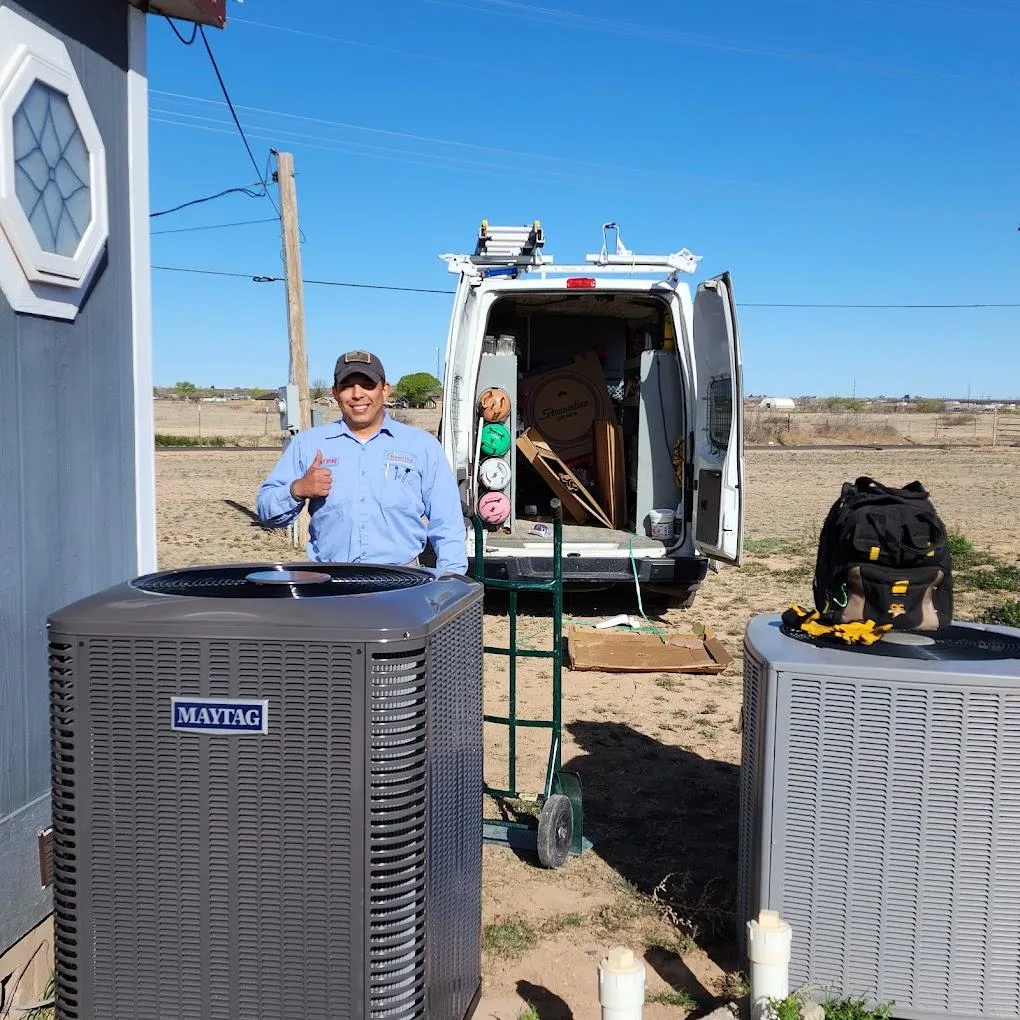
[298, 374]
[295, 284]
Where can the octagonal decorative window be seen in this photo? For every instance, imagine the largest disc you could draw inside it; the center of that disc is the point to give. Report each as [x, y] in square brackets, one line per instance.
[52, 170]
[54, 219]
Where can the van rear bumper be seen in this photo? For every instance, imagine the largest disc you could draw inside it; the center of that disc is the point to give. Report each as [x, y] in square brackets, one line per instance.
[681, 571]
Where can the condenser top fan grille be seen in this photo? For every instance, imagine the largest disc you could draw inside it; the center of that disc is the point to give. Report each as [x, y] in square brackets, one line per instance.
[955, 643]
[251, 581]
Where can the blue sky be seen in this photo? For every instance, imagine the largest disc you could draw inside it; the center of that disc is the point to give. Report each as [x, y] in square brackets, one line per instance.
[863, 151]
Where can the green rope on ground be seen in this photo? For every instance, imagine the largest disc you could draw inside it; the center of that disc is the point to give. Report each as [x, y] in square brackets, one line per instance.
[637, 588]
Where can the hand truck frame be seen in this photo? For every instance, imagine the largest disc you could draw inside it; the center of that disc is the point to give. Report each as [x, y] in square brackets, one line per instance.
[561, 820]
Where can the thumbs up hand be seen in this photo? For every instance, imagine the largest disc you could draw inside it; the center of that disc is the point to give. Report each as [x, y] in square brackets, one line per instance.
[315, 483]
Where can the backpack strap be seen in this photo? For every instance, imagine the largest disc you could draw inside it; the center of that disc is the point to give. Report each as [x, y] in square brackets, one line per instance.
[868, 486]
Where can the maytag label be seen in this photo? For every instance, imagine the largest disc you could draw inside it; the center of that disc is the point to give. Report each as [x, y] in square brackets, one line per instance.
[219, 715]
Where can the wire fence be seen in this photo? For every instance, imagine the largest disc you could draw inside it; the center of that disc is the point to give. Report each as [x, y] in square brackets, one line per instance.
[986, 428]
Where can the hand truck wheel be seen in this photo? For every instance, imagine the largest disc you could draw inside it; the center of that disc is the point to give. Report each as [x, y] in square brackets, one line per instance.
[555, 831]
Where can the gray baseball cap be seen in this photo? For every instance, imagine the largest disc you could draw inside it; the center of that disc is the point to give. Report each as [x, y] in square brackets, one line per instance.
[358, 363]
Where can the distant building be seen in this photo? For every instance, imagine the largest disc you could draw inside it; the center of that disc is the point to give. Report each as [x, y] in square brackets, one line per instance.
[777, 404]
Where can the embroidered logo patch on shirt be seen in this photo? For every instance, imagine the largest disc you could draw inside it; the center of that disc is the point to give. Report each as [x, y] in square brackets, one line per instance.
[400, 458]
[330, 461]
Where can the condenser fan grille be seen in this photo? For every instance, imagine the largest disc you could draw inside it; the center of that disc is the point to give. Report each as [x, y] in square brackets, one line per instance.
[254, 581]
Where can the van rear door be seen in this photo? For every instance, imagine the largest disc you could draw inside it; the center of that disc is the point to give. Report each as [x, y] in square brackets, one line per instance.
[718, 423]
[459, 377]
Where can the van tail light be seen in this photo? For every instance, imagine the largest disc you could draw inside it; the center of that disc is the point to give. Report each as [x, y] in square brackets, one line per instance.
[581, 283]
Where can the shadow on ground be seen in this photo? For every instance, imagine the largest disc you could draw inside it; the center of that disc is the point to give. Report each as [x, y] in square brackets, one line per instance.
[547, 1005]
[666, 820]
[594, 605]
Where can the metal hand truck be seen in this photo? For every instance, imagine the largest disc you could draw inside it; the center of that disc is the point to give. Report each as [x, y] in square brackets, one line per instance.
[561, 821]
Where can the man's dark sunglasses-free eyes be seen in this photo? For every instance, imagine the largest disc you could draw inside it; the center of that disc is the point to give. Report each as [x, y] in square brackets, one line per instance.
[364, 382]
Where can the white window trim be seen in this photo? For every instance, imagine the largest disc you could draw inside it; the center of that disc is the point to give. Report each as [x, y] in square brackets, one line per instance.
[35, 281]
[141, 291]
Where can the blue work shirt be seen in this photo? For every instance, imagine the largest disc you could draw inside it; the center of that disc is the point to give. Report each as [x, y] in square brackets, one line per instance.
[382, 489]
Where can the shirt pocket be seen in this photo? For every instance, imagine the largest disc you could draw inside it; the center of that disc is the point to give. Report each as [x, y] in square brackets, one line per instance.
[398, 486]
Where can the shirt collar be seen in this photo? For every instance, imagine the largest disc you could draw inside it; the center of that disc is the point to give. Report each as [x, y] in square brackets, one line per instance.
[342, 428]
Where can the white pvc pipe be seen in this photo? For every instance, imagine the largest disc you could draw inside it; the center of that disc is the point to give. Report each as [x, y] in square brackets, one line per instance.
[621, 985]
[768, 948]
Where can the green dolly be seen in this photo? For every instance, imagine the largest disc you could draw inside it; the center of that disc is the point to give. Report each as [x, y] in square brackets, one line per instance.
[561, 822]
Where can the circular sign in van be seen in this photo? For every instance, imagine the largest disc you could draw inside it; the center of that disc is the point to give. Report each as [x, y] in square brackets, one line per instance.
[494, 507]
[494, 473]
[495, 440]
[494, 404]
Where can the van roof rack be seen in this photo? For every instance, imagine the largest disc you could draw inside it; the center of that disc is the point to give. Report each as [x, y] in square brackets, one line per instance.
[512, 250]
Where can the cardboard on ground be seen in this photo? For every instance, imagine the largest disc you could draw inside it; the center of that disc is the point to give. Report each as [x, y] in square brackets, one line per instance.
[696, 650]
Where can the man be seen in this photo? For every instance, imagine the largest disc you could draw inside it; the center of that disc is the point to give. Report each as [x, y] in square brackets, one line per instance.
[371, 482]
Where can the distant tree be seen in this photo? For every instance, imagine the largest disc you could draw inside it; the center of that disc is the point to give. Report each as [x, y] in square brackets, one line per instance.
[931, 406]
[843, 404]
[417, 388]
[184, 389]
[319, 388]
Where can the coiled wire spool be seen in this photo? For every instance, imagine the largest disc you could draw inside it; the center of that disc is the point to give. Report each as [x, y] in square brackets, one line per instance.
[494, 404]
[494, 507]
[494, 473]
[495, 440]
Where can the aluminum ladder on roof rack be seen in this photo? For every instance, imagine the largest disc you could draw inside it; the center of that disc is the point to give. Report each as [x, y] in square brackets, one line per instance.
[507, 246]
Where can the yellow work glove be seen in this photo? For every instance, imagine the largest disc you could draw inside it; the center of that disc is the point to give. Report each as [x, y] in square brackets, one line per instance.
[865, 632]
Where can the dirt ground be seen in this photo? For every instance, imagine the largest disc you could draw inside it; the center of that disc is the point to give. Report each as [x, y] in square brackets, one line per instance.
[658, 755]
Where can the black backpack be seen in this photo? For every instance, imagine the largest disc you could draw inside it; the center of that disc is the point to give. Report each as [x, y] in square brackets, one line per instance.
[883, 555]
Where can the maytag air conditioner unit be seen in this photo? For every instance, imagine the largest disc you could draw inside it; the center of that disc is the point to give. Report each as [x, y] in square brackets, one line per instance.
[267, 791]
[880, 814]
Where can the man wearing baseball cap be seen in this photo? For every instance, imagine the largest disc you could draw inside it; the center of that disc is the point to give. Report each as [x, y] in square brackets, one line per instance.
[376, 489]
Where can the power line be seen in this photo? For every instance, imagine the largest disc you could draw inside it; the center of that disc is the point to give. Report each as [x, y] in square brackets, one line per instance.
[769, 304]
[186, 42]
[215, 226]
[575, 19]
[665, 175]
[255, 278]
[233, 113]
[209, 198]
[485, 68]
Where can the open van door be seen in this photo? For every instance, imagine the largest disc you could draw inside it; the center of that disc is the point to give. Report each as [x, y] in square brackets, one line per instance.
[718, 424]
[459, 374]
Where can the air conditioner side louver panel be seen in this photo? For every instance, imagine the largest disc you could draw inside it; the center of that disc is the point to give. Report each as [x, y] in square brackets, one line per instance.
[63, 745]
[398, 770]
[750, 777]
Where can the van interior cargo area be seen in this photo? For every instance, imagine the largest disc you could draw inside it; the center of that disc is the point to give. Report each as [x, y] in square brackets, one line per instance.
[570, 363]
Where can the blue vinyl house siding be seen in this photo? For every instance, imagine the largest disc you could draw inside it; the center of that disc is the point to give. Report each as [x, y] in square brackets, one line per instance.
[67, 471]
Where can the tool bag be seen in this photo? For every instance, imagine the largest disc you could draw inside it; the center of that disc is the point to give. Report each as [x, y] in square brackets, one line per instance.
[883, 555]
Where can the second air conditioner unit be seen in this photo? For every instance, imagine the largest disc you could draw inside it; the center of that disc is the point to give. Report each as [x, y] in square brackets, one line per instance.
[880, 814]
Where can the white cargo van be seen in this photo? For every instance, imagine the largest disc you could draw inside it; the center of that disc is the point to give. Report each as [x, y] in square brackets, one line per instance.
[617, 339]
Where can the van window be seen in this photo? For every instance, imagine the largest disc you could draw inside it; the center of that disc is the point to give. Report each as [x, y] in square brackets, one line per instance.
[720, 412]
